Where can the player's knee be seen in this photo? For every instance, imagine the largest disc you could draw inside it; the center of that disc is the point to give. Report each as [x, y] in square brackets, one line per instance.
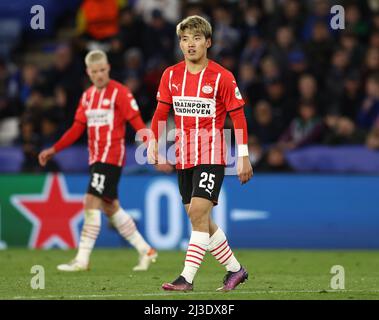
[91, 202]
[198, 216]
[110, 208]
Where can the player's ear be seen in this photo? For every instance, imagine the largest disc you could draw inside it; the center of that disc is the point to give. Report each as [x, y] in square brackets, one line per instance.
[208, 43]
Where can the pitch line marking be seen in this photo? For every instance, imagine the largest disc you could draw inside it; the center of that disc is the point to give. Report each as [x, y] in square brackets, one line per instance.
[191, 293]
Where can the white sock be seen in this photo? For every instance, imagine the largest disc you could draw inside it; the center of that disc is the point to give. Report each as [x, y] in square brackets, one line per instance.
[90, 231]
[127, 228]
[219, 248]
[197, 248]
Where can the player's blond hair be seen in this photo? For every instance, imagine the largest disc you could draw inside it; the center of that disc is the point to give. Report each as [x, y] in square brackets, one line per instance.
[194, 24]
[95, 56]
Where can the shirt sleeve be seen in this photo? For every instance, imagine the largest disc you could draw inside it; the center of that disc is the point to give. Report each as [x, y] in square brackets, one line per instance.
[128, 104]
[80, 115]
[164, 92]
[229, 92]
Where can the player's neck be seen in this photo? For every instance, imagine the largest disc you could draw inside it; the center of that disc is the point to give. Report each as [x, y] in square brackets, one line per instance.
[198, 66]
[103, 87]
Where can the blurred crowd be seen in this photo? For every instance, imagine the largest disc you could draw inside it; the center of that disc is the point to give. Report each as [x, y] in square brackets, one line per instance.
[303, 82]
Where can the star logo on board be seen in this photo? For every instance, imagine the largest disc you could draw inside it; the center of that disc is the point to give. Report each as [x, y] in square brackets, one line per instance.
[54, 214]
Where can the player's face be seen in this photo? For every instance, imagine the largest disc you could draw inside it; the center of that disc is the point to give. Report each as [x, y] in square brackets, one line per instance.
[99, 74]
[194, 46]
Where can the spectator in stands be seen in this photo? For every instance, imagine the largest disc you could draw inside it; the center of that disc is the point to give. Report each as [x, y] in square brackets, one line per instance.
[273, 161]
[228, 60]
[254, 50]
[308, 91]
[49, 126]
[30, 144]
[320, 12]
[354, 21]
[344, 132]
[169, 8]
[225, 35]
[284, 44]
[249, 82]
[269, 68]
[337, 72]
[253, 21]
[350, 43]
[159, 38]
[145, 104]
[22, 83]
[264, 126]
[319, 49]
[67, 73]
[98, 20]
[297, 65]
[116, 58]
[352, 95]
[131, 29]
[304, 130]
[368, 113]
[290, 13]
[372, 140]
[371, 64]
[283, 108]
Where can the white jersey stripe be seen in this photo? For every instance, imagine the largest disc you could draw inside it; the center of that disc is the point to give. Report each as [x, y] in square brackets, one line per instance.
[169, 81]
[84, 98]
[96, 146]
[214, 121]
[197, 119]
[110, 129]
[122, 152]
[182, 133]
[88, 129]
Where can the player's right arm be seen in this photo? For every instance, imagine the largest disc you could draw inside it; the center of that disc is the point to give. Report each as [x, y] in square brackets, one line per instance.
[160, 117]
[68, 138]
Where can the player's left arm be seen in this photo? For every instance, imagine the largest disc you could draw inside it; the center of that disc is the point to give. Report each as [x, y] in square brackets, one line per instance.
[233, 101]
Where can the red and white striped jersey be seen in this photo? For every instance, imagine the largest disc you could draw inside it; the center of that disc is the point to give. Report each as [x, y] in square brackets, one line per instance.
[105, 112]
[200, 102]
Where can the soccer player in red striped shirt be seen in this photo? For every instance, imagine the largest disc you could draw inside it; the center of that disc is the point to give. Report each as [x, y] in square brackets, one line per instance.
[201, 92]
[104, 109]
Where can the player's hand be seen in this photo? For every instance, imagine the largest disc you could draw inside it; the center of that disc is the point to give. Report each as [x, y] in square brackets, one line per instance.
[244, 169]
[45, 156]
[164, 167]
[152, 152]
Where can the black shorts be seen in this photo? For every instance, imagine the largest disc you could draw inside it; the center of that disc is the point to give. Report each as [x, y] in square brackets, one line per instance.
[104, 181]
[202, 181]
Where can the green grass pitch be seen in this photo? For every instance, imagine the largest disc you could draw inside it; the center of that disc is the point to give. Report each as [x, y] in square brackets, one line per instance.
[273, 274]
